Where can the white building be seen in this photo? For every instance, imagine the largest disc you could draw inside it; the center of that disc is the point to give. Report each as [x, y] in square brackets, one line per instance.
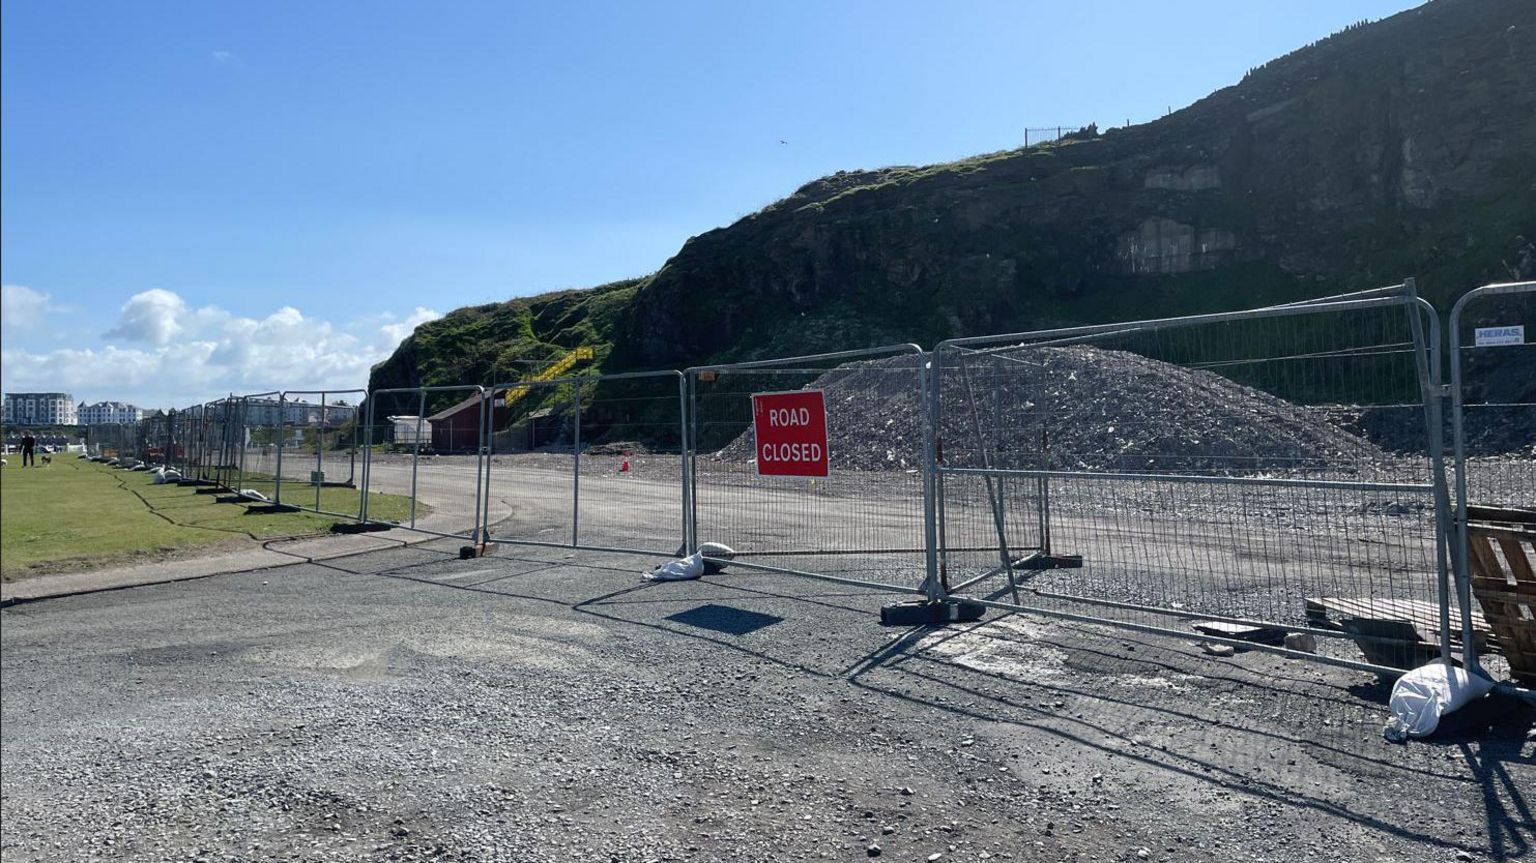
[41, 409]
[265, 412]
[103, 413]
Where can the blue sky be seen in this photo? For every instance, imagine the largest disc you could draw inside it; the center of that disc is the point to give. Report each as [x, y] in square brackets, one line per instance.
[215, 196]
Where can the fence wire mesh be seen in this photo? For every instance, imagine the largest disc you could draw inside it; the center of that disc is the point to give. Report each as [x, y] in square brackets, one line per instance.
[426, 445]
[318, 452]
[1195, 470]
[1493, 387]
[864, 521]
[256, 446]
[1496, 360]
[593, 461]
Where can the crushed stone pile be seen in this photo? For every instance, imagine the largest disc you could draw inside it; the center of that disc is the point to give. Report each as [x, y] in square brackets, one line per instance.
[1095, 409]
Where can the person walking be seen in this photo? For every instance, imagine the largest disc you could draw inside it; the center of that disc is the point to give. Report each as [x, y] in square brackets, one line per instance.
[28, 449]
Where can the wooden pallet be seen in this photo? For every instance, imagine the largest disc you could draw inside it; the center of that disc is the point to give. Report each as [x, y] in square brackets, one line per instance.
[1425, 616]
[1502, 558]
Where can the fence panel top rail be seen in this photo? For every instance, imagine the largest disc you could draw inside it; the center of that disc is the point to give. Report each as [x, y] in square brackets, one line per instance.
[1401, 295]
[902, 348]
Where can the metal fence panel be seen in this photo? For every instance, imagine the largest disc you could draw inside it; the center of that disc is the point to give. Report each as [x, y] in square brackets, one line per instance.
[256, 444]
[437, 466]
[864, 522]
[318, 451]
[593, 461]
[1156, 473]
[1493, 422]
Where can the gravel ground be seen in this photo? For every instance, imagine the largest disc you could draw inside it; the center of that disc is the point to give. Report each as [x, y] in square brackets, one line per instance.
[542, 705]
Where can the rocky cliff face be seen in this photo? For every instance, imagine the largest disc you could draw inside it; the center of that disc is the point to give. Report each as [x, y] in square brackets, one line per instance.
[1404, 147]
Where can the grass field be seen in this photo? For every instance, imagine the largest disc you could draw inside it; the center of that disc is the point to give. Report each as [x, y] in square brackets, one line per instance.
[76, 515]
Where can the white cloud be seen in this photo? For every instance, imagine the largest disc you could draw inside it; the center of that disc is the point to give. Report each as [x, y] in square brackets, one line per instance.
[174, 355]
[225, 58]
[21, 308]
[153, 317]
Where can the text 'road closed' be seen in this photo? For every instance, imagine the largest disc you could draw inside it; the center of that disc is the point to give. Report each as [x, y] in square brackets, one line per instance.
[790, 433]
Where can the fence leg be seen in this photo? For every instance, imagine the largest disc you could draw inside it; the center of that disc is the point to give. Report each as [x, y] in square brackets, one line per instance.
[482, 505]
[421, 409]
[320, 453]
[282, 418]
[1427, 362]
[367, 442]
[928, 382]
[576, 470]
[689, 419]
[488, 454]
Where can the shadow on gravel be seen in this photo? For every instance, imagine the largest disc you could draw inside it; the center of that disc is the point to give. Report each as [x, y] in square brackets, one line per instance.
[1489, 736]
[724, 618]
[1250, 733]
[1111, 738]
[1510, 821]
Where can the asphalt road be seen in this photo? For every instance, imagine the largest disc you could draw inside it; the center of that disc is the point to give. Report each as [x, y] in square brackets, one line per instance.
[548, 705]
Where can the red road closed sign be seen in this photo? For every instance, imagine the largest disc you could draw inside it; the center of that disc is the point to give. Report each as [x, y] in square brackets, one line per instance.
[790, 430]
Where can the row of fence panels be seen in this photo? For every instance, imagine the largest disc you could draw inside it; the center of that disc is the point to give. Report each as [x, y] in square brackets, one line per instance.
[1273, 470]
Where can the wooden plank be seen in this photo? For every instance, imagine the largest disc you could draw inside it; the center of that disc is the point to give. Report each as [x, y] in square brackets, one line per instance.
[1425, 615]
[1514, 553]
[1507, 515]
[1482, 559]
[1526, 533]
[1490, 597]
[1483, 585]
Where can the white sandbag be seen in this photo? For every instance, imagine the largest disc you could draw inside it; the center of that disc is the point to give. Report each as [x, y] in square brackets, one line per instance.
[159, 475]
[682, 569]
[1423, 696]
[717, 551]
[252, 494]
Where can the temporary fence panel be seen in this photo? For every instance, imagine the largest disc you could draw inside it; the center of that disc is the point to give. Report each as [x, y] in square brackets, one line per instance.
[1493, 422]
[1162, 474]
[197, 442]
[318, 451]
[151, 437]
[593, 462]
[814, 465]
[1493, 332]
[111, 440]
[256, 455]
[225, 472]
[436, 467]
[219, 465]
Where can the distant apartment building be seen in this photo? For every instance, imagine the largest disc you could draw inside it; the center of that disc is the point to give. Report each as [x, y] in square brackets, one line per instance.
[103, 413]
[41, 409]
[264, 412]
